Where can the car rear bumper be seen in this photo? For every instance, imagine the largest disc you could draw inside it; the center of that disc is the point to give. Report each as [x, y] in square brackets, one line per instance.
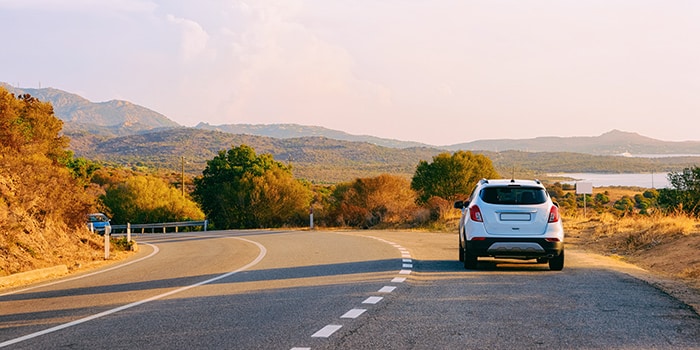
[527, 248]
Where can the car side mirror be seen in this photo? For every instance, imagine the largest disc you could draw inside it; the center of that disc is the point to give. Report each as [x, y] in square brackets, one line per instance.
[461, 204]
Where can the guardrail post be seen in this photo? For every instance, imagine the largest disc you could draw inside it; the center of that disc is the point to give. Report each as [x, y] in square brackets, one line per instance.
[205, 224]
[108, 231]
[311, 218]
[128, 232]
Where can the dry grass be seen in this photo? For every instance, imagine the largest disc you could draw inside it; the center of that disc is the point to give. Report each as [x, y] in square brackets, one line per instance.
[665, 244]
[641, 231]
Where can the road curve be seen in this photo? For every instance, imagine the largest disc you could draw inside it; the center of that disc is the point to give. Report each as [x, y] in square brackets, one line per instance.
[352, 290]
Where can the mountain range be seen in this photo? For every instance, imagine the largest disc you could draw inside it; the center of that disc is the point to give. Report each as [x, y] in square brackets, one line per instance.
[122, 118]
[125, 133]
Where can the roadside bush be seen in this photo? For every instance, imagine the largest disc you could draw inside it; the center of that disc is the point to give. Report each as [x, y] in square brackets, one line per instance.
[148, 199]
[367, 202]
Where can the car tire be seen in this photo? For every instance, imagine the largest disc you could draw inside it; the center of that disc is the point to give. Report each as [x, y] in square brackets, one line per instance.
[557, 263]
[470, 260]
[461, 252]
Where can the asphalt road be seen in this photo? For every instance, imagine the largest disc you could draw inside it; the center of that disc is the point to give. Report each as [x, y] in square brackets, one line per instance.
[340, 290]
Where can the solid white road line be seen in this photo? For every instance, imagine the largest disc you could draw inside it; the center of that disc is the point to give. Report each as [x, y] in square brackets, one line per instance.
[261, 255]
[327, 331]
[154, 252]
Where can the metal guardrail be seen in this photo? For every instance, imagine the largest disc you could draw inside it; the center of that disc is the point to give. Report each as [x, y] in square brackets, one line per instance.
[162, 226]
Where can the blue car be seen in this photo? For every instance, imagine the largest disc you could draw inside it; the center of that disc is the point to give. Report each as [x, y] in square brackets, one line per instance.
[98, 222]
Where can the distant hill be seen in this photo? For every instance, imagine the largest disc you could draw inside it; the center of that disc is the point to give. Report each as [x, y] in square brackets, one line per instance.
[324, 160]
[615, 142]
[88, 122]
[123, 133]
[287, 131]
[111, 118]
[314, 158]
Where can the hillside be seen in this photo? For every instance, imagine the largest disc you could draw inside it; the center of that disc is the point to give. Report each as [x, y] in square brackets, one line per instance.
[314, 158]
[615, 142]
[111, 118]
[324, 160]
[124, 133]
[288, 131]
[87, 123]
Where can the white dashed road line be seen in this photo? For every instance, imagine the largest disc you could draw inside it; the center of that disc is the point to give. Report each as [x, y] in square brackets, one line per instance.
[354, 313]
[387, 289]
[372, 300]
[406, 268]
[327, 331]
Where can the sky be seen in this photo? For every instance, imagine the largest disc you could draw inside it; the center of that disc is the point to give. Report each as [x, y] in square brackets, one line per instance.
[440, 72]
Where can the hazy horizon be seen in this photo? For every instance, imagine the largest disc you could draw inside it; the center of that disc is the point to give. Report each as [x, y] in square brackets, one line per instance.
[439, 73]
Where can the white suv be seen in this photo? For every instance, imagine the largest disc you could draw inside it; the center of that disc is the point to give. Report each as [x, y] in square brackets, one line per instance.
[513, 219]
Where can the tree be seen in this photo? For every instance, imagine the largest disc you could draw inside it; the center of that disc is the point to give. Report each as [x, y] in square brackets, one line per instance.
[81, 168]
[148, 199]
[33, 182]
[685, 194]
[451, 176]
[28, 126]
[239, 189]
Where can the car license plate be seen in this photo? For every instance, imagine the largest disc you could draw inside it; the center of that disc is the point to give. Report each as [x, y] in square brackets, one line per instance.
[515, 216]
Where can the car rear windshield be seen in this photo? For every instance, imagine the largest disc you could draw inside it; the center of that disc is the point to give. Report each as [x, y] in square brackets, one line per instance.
[513, 195]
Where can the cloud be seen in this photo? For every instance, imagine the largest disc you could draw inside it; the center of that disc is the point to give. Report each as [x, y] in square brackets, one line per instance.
[194, 37]
[284, 70]
[82, 5]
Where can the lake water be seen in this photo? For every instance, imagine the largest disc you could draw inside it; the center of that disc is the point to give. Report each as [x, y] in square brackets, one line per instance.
[648, 180]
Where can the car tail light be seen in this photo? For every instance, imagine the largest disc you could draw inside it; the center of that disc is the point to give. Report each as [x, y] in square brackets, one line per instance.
[553, 214]
[478, 239]
[552, 240]
[475, 214]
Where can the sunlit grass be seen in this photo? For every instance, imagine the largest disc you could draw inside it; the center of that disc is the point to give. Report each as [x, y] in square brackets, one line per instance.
[632, 233]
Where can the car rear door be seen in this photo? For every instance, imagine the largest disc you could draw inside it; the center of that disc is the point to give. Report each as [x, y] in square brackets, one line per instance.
[516, 212]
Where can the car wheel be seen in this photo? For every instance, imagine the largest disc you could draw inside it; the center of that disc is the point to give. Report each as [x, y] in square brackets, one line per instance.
[557, 263]
[461, 251]
[470, 260]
